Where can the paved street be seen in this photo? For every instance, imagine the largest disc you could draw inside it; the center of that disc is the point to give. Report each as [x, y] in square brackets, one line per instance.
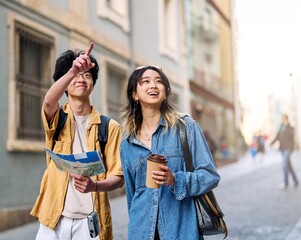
[254, 206]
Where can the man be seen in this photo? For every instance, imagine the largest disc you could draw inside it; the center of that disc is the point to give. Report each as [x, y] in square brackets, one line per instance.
[285, 137]
[65, 200]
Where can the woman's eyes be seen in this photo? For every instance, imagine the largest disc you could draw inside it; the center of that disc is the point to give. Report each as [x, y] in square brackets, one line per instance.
[146, 81]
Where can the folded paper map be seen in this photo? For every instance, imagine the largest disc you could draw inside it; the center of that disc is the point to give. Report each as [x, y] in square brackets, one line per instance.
[86, 163]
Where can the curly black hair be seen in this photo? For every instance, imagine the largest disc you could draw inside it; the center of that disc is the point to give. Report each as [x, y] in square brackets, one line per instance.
[64, 63]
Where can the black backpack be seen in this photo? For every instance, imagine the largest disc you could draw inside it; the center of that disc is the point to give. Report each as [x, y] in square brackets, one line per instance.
[102, 130]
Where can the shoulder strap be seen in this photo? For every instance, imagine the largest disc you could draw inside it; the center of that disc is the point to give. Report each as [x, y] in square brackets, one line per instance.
[60, 125]
[209, 197]
[185, 146]
[102, 129]
[103, 132]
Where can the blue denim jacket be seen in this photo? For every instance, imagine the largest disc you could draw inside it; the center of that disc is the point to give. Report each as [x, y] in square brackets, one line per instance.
[172, 206]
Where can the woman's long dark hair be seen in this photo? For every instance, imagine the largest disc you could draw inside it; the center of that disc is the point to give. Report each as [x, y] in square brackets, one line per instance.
[131, 116]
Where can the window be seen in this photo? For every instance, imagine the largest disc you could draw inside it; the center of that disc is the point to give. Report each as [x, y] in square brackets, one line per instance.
[170, 22]
[168, 28]
[116, 90]
[116, 11]
[32, 77]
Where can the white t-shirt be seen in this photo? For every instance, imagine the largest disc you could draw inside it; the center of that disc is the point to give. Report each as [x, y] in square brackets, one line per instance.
[77, 204]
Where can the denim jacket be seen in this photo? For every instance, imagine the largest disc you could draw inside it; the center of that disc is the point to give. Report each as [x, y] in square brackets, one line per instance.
[171, 207]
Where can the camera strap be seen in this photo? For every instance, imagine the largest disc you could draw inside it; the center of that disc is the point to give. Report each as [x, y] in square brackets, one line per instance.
[93, 199]
[82, 148]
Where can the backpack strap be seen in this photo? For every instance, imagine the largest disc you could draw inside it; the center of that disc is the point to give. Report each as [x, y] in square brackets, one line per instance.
[102, 129]
[60, 125]
[103, 132]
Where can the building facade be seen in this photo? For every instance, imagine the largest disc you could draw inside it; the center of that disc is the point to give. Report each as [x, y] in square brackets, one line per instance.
[212, 77]
[126, 34]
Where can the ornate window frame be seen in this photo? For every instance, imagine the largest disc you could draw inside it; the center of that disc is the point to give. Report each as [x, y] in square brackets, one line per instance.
[17, 23]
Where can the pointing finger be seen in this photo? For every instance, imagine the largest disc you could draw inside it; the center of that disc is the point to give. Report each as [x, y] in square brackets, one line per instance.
[90, 48]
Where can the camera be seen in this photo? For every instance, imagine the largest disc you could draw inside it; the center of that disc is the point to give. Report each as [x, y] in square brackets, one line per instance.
[93, 224]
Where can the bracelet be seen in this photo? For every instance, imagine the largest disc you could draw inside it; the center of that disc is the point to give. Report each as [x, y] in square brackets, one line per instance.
[96, 187]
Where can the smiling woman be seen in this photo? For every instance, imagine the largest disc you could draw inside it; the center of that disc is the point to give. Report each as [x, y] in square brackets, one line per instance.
[150, 126]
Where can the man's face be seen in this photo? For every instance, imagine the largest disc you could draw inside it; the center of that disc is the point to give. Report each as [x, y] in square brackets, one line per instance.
[81, 85]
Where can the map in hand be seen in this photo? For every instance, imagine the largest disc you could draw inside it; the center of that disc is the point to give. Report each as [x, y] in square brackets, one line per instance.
[86, 163]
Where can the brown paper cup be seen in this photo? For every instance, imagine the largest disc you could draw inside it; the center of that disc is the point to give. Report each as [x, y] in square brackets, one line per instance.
[153, 162]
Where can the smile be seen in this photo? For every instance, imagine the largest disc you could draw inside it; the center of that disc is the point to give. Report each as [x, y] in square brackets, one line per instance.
[153, 93]
[81, 86]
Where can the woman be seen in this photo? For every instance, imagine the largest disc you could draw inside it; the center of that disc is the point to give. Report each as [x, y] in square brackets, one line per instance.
[149, 126]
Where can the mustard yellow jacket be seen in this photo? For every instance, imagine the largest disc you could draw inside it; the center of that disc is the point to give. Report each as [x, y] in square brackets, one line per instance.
[50, 202]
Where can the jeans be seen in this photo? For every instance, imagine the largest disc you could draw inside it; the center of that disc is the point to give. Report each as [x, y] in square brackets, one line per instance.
[288, 168]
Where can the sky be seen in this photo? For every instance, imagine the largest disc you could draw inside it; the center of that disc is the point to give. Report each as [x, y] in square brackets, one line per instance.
[269, 50]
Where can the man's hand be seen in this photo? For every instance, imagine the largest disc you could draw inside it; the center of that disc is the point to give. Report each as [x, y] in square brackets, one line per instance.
[83, 184]
[90, 49]
[83, 62]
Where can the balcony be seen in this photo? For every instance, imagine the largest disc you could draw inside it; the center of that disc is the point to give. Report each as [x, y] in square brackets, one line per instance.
[205, 26]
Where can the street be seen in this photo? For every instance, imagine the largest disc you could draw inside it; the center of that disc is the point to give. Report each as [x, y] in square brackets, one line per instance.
[255, 207]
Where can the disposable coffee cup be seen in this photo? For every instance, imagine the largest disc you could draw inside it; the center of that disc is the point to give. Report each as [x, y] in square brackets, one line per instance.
[153, 162]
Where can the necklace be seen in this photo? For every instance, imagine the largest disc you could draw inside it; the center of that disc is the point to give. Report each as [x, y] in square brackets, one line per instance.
[148, 138]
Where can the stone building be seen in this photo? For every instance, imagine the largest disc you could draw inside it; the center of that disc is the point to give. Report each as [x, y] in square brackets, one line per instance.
[212, 77]
[126, 34]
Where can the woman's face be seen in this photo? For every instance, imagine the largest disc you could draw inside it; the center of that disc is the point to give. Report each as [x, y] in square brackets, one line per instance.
[150, 90]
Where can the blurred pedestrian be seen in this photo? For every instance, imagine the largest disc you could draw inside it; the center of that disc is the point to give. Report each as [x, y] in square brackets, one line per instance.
[66, 200]
[253, 148]
[285, 136]
[224, 147]
[260, 146]
[149, 124]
